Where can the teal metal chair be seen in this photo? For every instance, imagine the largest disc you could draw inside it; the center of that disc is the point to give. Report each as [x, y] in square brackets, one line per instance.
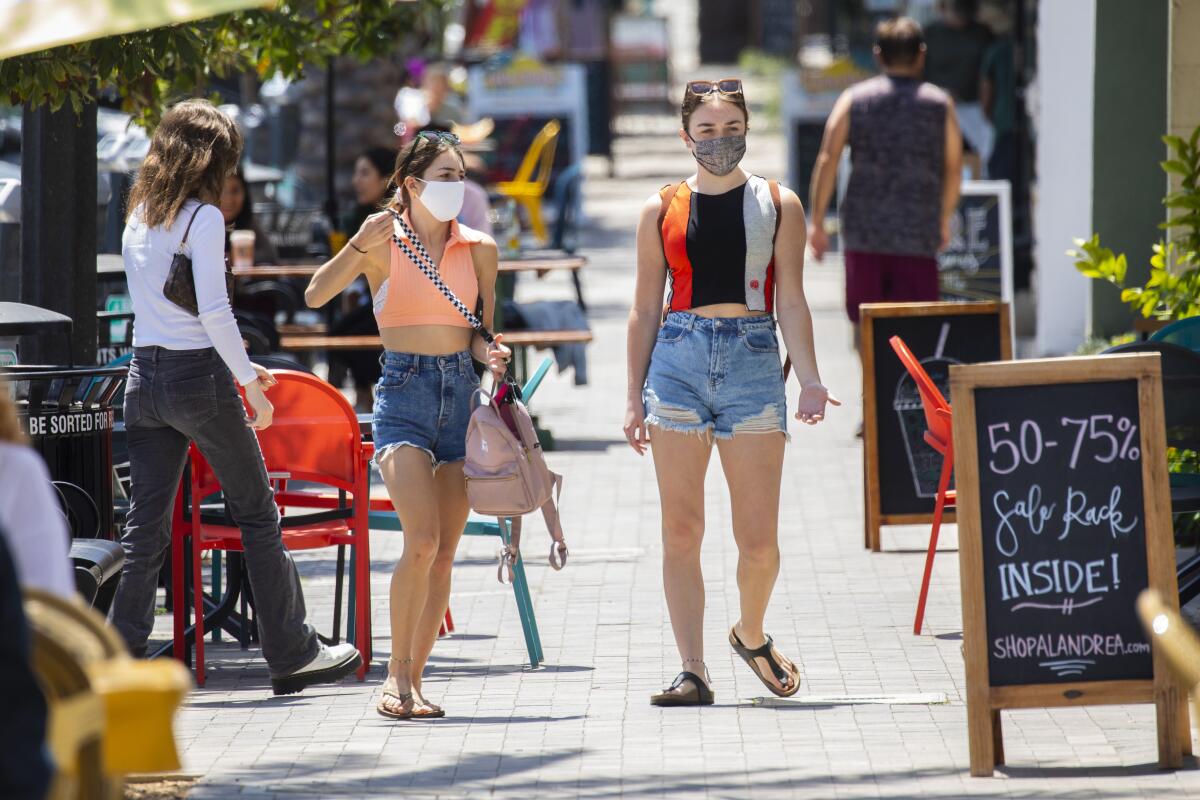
[1183, 332]
[478, 525]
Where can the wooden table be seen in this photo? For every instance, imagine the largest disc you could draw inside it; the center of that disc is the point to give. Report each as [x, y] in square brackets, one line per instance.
[303, 270]
[372, 342]
[541, 263]
[532, 263]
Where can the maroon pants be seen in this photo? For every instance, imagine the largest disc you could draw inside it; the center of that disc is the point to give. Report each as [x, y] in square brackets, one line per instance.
[886, 278]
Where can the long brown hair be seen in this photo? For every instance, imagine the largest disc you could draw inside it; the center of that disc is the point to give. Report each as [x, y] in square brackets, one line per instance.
[413, 160]
[10, 426]
[692, 101]
[192, 151]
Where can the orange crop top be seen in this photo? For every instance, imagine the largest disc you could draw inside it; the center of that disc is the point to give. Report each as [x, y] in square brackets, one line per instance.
[407, 297]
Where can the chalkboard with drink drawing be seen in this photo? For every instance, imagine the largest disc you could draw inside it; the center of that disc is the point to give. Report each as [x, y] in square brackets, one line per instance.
[1063, 518]
[901, 469]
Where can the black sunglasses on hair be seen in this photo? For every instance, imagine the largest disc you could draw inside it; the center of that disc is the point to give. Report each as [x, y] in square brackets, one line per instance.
[724, 86]
[429, 136]
[439, 136]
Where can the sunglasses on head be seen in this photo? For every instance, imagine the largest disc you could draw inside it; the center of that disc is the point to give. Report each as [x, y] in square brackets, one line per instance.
[429, 136]
[724, 86]
[439, 136]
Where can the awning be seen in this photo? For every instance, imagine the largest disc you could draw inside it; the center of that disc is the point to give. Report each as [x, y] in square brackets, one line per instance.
[33, 25]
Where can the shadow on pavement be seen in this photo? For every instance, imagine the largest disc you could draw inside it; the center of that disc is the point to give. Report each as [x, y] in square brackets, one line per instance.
[500, 774]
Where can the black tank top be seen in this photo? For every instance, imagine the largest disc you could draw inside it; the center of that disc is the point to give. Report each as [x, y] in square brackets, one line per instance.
[716, 247]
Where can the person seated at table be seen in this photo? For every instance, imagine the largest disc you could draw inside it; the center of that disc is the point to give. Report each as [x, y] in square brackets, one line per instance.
[423, 399]
[238, 211]
[182, 388]
[31, 517]
[477, 206]
[372, 182]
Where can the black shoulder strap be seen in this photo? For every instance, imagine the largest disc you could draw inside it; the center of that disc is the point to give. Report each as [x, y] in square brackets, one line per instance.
[188, 229]
[774, 187]
[478, 283]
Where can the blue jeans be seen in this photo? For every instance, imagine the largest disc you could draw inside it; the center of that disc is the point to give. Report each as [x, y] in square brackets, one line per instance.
[424, 402]
[717, 377]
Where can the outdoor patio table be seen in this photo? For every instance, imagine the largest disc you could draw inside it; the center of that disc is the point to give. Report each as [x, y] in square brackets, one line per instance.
[534, 262]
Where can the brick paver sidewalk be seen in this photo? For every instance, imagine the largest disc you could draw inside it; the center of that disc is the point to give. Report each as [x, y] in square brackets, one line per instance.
[881, 712]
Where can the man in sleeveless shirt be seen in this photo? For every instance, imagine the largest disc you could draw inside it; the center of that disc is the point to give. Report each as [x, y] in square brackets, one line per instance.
[906, 166]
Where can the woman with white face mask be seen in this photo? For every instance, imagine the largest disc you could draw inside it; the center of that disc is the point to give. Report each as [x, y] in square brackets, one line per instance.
[423, 399]
[728, 247]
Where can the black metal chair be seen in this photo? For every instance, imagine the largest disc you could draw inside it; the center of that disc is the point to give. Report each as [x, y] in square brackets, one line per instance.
[269, 297]
[97, 560]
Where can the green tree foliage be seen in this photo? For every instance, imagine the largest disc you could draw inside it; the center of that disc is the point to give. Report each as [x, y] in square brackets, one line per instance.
[1173, 289]
[148, 69]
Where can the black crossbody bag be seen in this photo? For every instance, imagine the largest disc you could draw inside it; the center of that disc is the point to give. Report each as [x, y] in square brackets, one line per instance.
[180, 287]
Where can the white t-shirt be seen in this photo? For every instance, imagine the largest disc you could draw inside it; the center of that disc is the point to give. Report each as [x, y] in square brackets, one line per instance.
[32, 522]
[157, 321]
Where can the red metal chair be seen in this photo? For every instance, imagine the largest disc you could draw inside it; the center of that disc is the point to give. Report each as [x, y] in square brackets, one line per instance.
[314, 438]
[938, 435]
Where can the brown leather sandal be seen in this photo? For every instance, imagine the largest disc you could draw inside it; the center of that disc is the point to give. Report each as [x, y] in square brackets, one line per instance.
[687, 690]
[405, 699]
[782, 671]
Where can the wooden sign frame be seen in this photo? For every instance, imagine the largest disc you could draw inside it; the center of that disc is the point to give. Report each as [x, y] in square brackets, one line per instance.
[985, 701]
[874, 518]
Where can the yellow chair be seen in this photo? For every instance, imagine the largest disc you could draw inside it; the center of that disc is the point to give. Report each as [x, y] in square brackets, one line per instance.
[527, 189]
[109, 715]
[1176, 639]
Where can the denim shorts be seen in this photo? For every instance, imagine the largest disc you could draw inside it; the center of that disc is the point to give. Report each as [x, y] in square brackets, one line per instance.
[424, 402]
[718, 377]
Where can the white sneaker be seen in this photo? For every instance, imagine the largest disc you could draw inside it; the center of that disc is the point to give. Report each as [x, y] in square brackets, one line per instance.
[329, 665]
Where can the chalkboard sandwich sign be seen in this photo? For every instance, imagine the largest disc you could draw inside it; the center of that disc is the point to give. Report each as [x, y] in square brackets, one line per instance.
[1063, 519]
[901, 470]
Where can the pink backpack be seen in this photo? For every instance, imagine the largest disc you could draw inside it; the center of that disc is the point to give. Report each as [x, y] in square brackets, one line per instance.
[507, 474]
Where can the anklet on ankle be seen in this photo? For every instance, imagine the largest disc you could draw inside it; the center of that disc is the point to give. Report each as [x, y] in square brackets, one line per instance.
[699, 661]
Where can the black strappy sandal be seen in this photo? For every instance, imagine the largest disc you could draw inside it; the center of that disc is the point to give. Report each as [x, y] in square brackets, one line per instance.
[766, 652]
[687, 690]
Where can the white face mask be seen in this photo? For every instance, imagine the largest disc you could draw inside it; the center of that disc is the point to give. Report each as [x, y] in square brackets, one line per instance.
[442, 199]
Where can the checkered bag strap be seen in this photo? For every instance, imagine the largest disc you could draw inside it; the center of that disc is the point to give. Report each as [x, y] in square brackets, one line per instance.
[425, 263]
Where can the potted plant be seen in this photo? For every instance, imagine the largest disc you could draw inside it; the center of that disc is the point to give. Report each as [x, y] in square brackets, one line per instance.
[1173, 289]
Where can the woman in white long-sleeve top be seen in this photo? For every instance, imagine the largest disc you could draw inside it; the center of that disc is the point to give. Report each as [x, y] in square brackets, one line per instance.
[181, 390]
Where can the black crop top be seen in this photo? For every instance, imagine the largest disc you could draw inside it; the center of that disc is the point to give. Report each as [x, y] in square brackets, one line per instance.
[716, 247]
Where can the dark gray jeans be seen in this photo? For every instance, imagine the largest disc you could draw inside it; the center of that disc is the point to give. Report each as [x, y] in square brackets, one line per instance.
[174, 397]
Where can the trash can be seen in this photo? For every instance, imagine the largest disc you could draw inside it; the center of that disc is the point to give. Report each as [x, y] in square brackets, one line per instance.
[21, 319]
[68, 415]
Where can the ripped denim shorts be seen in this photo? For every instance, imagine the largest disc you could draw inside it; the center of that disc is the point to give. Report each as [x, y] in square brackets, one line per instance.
[718, 377]
[424, 402]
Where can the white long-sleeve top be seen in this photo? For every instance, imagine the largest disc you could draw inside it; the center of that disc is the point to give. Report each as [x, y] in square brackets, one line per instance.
[157, 321]
[32, 522]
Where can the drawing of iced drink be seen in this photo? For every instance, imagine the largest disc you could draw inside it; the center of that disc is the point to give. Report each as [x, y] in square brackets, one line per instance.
[923, 460]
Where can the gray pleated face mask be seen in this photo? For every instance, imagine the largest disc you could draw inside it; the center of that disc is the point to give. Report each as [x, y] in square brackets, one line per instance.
[719, 156]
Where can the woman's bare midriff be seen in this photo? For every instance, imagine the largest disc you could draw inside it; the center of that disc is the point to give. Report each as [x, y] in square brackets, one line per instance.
[427, 340]
[725, 310]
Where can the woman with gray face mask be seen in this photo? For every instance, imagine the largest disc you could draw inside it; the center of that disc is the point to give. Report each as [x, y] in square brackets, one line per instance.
[728, 248]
